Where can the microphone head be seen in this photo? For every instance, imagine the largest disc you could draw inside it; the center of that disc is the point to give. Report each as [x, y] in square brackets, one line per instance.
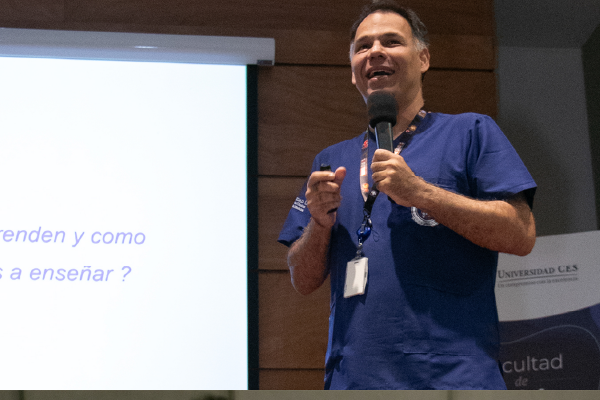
[382, 107]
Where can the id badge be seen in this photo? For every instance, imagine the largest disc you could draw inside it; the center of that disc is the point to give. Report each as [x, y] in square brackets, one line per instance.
[356, 277]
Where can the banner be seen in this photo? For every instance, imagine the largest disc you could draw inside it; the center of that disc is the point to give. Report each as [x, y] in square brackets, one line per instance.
[549, 310]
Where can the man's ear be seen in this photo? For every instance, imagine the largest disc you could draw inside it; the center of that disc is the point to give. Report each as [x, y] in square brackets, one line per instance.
[424, 57]
[353, 79]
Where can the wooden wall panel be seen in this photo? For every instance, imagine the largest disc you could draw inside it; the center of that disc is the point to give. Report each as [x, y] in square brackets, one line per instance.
[269, 14]
[31, 10]
[456, 92]
[465, 17]
[275, 198]
[286, 379]
[462, 52]
[292, 327]
[303, 110]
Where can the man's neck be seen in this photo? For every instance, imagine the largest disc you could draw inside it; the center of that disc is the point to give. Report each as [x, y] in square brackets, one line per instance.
[406, 115]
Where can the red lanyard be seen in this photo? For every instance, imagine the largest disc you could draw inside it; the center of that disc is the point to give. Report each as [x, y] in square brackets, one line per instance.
[370, 195]
[364, 159]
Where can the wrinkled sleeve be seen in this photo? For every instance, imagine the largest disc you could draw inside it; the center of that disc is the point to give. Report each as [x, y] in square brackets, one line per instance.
[495, 169]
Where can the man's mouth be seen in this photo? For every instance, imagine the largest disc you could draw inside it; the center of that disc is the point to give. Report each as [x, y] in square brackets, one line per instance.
[377, 73]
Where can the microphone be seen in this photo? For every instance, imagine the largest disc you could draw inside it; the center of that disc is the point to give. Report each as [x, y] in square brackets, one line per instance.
[383, 108]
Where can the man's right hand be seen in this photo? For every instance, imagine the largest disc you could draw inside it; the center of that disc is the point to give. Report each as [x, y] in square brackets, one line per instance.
[323, 195]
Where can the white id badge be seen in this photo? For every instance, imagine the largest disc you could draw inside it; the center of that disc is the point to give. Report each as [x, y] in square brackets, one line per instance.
[356, 277]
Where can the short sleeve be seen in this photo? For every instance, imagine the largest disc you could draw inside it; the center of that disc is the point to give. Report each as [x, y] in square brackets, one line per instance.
[495, 169]
[296, 221]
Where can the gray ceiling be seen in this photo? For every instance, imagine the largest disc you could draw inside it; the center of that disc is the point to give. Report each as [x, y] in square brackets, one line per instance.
[546, 23]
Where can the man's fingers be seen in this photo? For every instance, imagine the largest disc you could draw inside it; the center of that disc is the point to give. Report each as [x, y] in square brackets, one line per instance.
[320, 176]
[340, 174]
[382, 155]
[328, 198]
[323, 194]
[327, 187]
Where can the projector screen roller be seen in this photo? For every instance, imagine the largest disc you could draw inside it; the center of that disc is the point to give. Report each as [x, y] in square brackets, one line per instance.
[123, 236]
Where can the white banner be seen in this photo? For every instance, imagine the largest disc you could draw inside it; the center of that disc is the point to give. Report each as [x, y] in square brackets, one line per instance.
[562, 274]
[549, 308]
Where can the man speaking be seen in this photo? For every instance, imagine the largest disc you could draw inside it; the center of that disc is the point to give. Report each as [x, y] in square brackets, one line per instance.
[410, 234]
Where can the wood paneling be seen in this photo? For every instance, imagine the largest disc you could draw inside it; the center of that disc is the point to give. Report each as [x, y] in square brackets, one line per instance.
[292, 327]
[304, 110]
[275, 198]
[463, 52]
[456, 92]
[263, 14]
[31, 10]
[465, 17]
[292, 379]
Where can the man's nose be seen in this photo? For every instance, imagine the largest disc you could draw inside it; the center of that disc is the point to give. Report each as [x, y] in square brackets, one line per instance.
[376, 49]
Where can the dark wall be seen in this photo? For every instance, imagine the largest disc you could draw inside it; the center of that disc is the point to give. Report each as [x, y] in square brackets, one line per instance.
[591, 73]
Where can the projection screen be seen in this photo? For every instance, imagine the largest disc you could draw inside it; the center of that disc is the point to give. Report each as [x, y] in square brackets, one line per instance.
[123, 218]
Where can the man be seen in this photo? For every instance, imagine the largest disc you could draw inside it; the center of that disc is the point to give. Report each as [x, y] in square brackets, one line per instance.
[412, 304]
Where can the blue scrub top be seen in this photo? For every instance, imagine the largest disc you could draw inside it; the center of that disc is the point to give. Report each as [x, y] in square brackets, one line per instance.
[428, 318]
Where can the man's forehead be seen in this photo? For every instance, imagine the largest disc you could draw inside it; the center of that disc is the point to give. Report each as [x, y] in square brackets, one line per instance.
[384, 22]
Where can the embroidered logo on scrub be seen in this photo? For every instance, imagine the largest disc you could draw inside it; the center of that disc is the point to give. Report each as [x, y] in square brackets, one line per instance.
[299, 204]
[422, 218]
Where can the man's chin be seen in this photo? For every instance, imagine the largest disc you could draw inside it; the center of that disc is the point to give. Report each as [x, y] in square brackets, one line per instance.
[379, 84]
[379, 89]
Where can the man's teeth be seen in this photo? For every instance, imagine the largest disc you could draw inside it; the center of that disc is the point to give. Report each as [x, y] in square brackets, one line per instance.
[379, 73]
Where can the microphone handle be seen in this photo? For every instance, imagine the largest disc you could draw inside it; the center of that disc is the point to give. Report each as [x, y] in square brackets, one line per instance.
[385, 140]
[384, 136]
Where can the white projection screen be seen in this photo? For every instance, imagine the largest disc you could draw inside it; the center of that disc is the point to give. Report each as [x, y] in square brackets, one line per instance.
[123, 217]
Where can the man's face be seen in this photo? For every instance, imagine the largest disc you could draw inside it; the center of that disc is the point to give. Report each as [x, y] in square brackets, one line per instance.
[385, 56]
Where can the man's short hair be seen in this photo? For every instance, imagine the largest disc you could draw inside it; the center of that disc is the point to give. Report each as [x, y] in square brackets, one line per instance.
[417, 27]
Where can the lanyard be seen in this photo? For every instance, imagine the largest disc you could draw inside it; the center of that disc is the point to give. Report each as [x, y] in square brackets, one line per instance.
[370, 196]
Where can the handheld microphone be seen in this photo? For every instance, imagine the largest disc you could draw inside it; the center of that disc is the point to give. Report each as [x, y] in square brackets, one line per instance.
[383, 108]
